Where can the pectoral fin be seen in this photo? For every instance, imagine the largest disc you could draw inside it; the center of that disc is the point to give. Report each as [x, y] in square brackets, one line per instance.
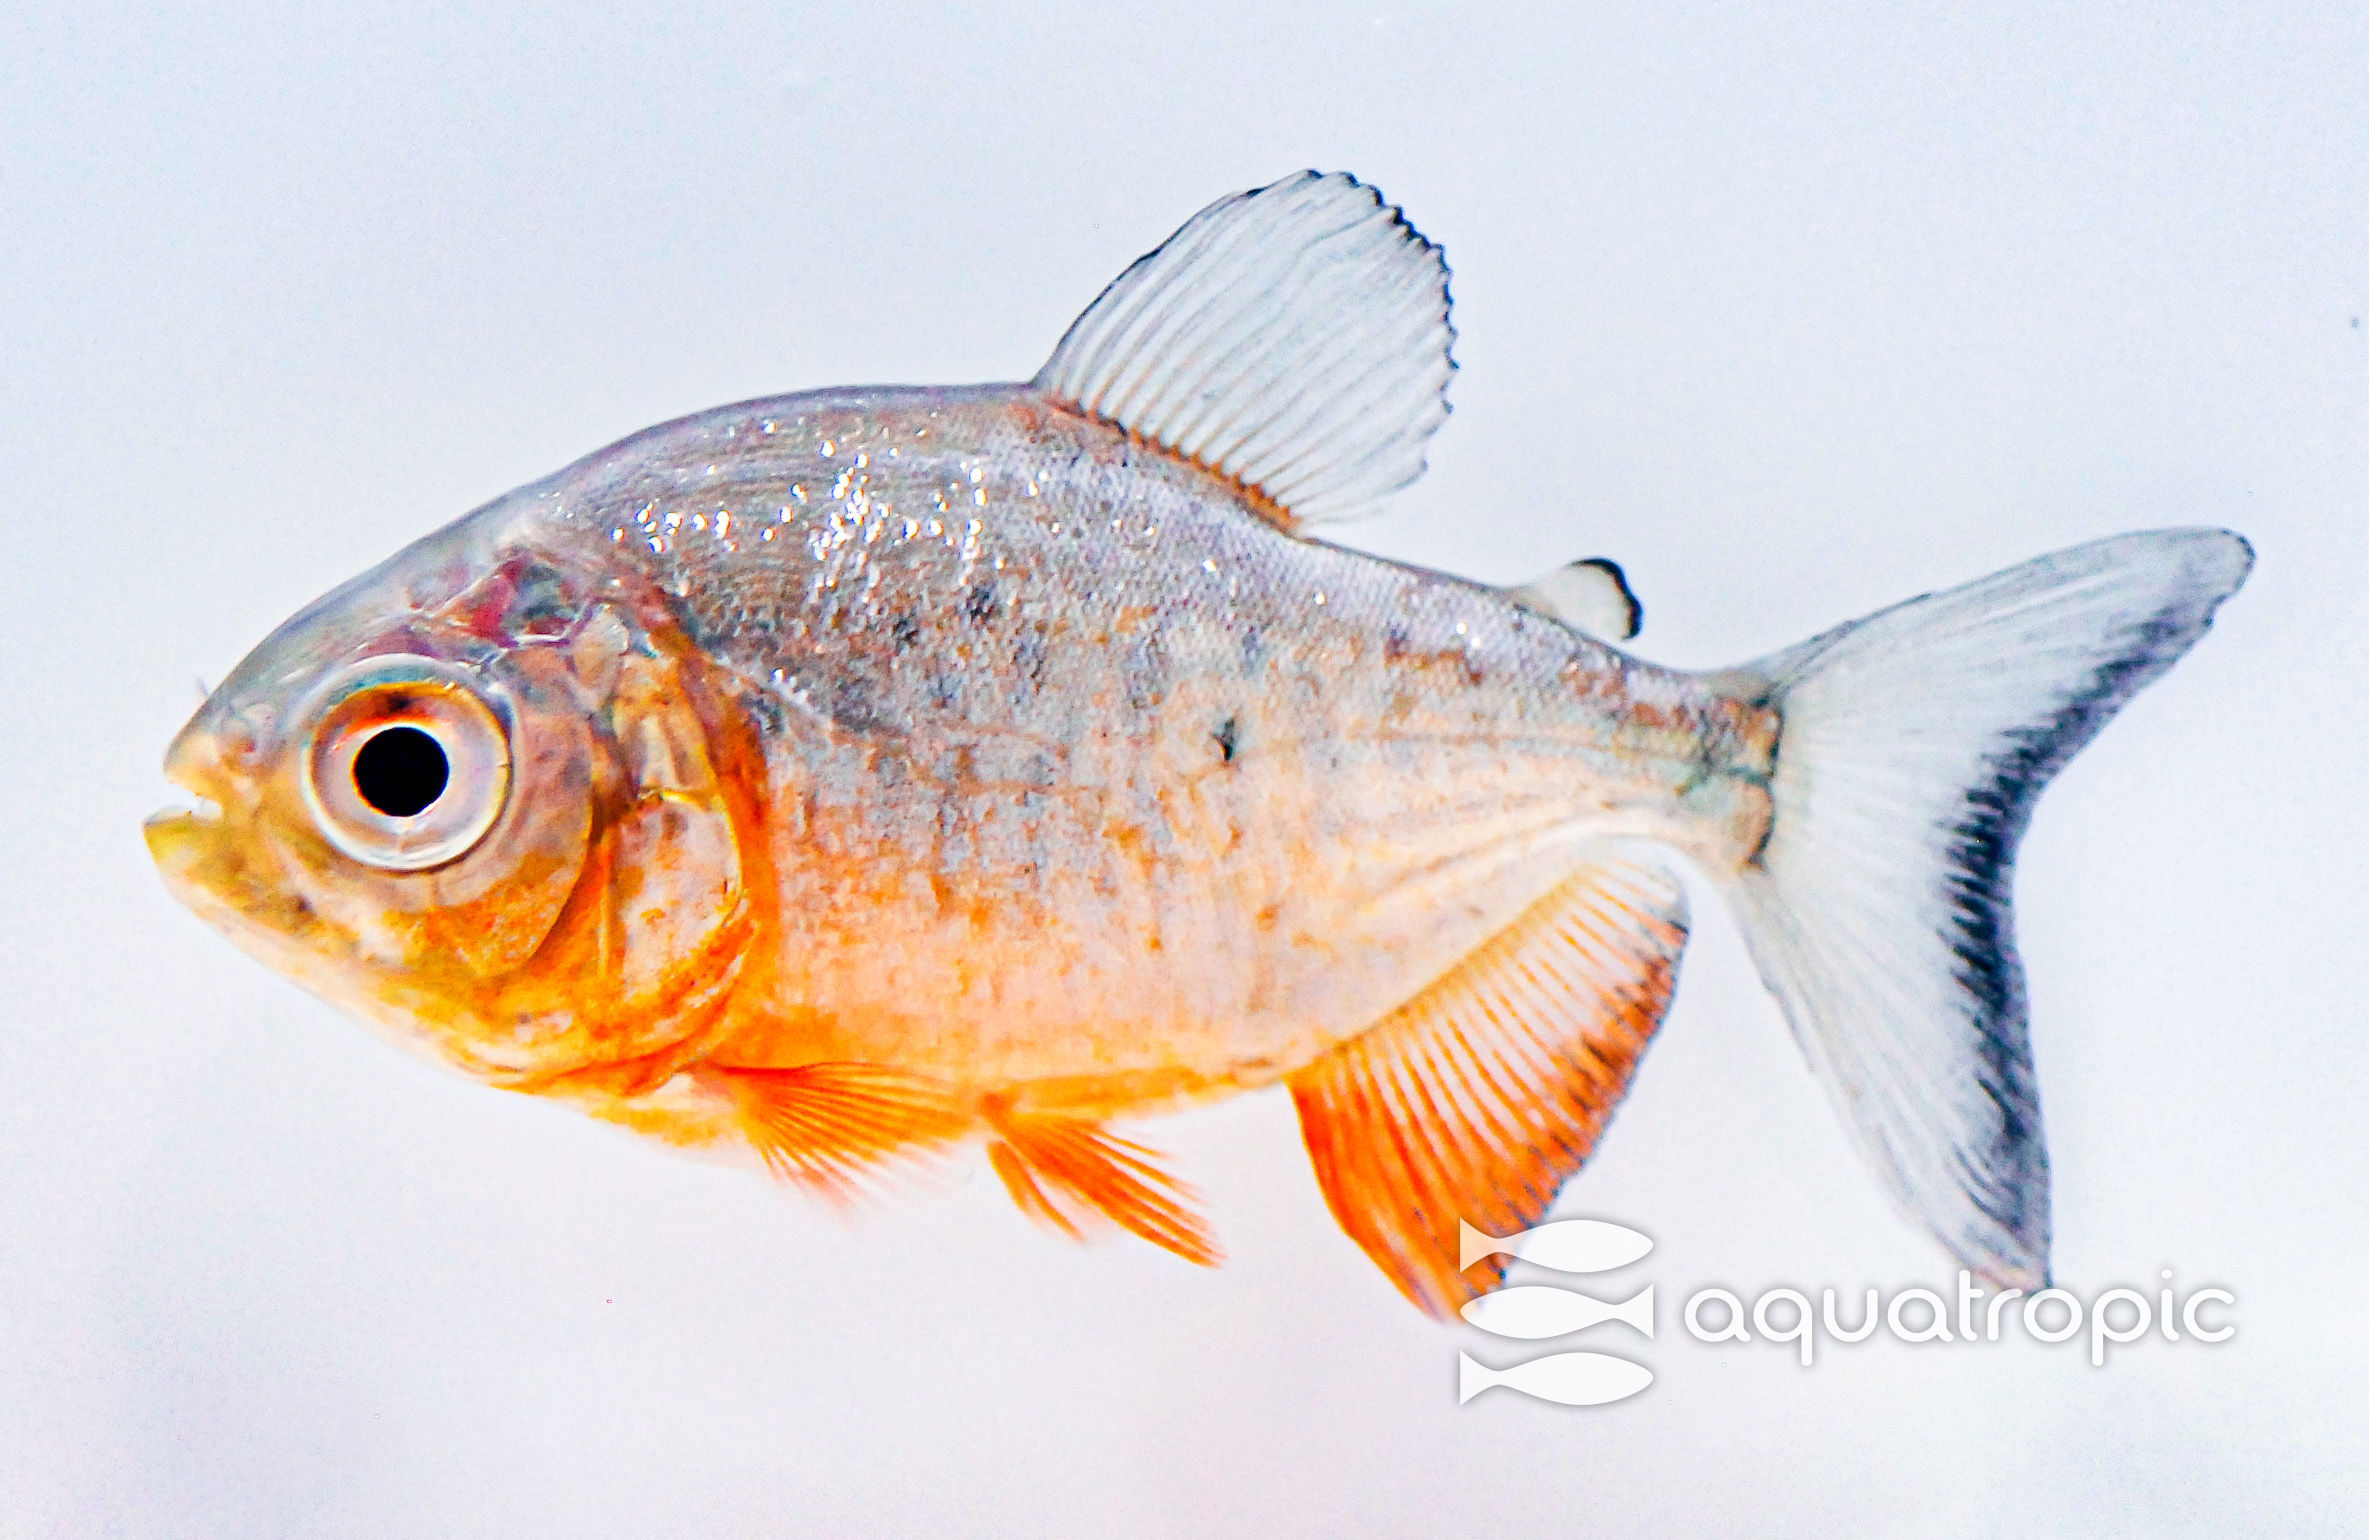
[1065, 1172]
[827, 1126]
[1480, 1097]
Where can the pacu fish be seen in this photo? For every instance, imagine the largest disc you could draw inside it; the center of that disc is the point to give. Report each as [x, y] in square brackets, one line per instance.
[834, 779]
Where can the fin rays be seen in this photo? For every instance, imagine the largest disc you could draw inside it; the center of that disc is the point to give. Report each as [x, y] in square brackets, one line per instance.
[1294, 339]
[1066, 1172]
[826, 1127]
[835, 1128]
[1880, 911]
[1478, 1099]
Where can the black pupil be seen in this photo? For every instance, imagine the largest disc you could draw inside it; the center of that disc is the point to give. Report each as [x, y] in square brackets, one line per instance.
[401, 771]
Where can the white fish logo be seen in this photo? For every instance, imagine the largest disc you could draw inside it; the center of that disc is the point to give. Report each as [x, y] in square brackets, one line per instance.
[1535, 1311]
[1566, 1245]
[1572, 1379]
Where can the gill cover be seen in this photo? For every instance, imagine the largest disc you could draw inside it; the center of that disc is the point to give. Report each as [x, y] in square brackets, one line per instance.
[660, 920]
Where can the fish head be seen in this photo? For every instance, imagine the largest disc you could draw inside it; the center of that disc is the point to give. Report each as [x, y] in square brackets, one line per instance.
[472, 798]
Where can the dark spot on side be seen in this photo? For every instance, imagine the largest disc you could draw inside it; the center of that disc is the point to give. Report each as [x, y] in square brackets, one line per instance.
[1227, 735]
[1146, 673]
[904, 631]
[765, 708]
[851, 705]
[981, 606]
[1395, 644]
[1028, 660]
[1254, 648]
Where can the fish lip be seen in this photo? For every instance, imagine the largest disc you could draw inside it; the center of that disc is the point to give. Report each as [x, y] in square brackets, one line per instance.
[206, 811]
[178, 837]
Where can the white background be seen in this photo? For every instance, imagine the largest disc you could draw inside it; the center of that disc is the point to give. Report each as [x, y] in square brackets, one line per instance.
[1796, 310]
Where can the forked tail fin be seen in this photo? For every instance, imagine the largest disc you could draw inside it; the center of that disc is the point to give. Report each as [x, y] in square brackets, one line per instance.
[1911, 747]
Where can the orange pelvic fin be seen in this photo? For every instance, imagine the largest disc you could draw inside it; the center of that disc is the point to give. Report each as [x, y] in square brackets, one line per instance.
[825, 1127]
[1480, 1097]
[1066, 1172]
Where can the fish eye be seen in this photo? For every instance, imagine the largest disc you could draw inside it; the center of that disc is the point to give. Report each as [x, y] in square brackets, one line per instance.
[401, 771]
[408, 765]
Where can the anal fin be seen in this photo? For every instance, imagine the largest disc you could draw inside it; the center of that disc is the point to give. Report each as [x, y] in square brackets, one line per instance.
[1066, 1172]
[1480, 1097]
[825, 1127]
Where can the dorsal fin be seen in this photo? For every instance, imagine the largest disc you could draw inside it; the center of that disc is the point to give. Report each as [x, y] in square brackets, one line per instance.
[1591, 596]
[1294, 339]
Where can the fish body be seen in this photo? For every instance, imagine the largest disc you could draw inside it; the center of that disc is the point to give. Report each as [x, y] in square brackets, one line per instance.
[1080, 780]
[838, 777]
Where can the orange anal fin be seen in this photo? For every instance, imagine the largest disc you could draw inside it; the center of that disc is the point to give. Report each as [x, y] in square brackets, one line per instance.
[1065, 1172]
[1481, 1096]
[826, 1127]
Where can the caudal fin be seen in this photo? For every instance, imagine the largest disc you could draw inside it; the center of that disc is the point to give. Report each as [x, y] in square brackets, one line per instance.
[1911, 747]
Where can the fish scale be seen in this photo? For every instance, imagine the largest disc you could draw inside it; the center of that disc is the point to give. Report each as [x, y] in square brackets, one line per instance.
[993, 710]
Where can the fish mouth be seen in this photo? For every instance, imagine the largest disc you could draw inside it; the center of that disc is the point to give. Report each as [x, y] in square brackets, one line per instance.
[202, 853]
[168, 825]
[178, 837]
